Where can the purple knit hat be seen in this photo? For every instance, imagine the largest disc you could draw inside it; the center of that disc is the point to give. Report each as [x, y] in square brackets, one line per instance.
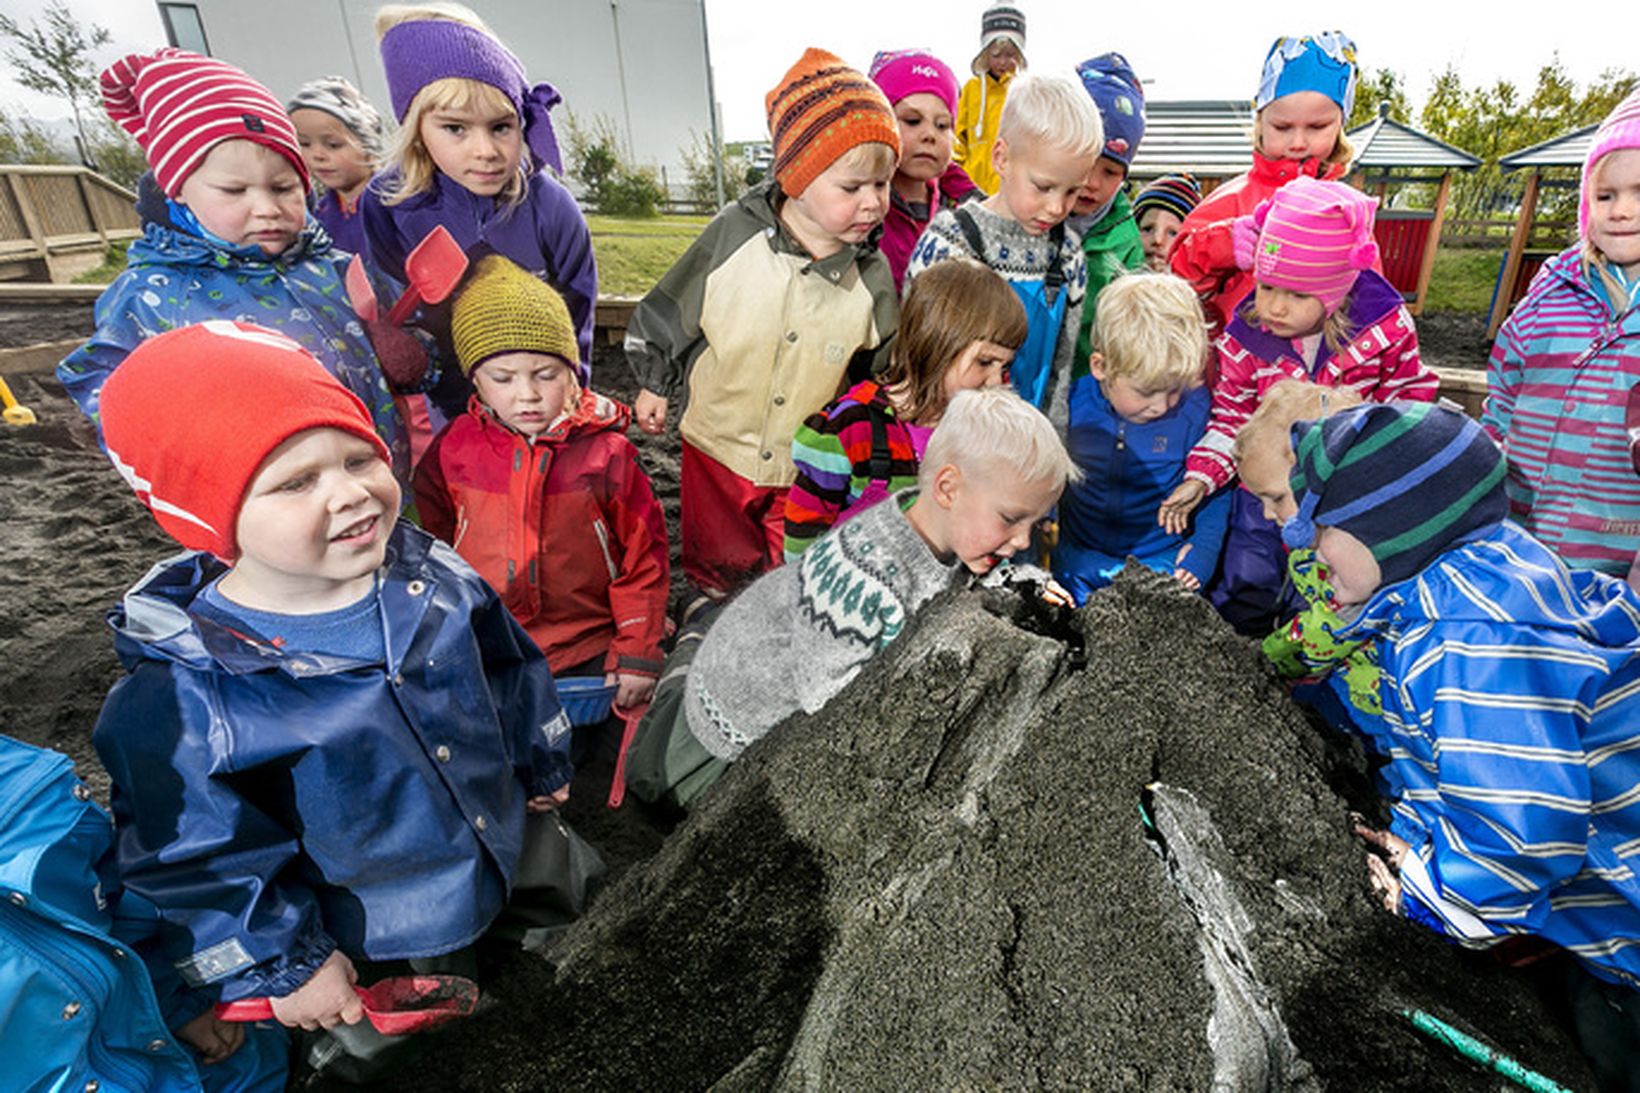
[1620, 130]
[1315, 237]
[418, 52]
[905, 72]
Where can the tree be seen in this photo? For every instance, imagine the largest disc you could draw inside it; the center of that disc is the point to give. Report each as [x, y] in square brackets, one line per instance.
[1379, 86]
[702, 179]
[24, 140]
[612, 185]
[56, 59]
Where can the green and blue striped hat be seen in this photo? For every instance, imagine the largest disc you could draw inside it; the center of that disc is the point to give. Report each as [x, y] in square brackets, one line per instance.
[1408, 479]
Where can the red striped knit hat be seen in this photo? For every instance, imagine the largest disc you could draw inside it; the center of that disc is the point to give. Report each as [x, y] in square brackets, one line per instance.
[1315, 237]
[179, 105]
[1620, 130]
[820, 109]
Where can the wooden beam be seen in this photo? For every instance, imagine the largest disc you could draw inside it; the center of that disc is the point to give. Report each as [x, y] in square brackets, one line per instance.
[31, 219]
[1517, 250]
[1432, 244]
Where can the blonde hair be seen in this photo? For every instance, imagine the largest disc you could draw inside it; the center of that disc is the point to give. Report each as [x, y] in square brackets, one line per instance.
[992, 433]
[874, 158]
[1283, 405]
[1054, 111]
[1343, 151]
[948, 307]
[1149, 328]
[416, 169]
[1595, 262]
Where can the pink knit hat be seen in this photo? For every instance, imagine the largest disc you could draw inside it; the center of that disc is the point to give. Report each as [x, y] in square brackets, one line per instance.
[179, 105]
[1620, 130]
[1315, 237]
[909, 72]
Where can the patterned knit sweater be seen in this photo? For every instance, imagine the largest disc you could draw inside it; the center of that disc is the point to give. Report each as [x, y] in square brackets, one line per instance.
[798, 635]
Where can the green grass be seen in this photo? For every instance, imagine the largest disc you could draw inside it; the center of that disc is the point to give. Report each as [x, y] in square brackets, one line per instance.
[1462, 279]
[632, 253]
[113, 264]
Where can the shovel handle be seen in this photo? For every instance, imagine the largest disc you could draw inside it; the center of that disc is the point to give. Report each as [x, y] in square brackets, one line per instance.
[405, 306]
[617, 784]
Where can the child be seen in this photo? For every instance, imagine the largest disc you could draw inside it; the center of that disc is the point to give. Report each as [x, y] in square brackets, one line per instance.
[80, 1013]
[1102, 215]
[537, 487]
[1133, 419]
[1511, 704]
[1160, 211]
[1565, 362]
[796, 638]
[1001, 56]
[959, 329]
[226, 235]
[1318, 312]
[473, 138]
[1046, 144]
[331, 729]
[1304, 96]
[765, 311]
[342, 141]
[923, 92]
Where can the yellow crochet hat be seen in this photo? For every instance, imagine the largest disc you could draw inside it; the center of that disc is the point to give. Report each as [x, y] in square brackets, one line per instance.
[503, 309]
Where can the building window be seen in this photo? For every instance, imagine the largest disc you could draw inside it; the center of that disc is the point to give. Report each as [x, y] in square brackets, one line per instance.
[183, 27]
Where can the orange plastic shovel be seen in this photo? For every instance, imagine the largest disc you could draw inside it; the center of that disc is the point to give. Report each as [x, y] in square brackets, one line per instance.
[396, 1007]
[433, 270]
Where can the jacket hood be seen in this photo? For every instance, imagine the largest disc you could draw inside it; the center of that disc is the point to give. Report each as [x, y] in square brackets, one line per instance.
[163, 240]
[1507, 574]
[1372, 300]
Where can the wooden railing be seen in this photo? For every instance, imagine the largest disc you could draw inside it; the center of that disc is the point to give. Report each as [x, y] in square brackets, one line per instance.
[1494, 231]
[57, 221]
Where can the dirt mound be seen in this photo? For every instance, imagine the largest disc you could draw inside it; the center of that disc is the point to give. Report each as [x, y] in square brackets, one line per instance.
[944, 880]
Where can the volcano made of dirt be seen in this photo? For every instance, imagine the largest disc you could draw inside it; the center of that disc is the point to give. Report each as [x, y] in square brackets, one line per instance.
[979, 868]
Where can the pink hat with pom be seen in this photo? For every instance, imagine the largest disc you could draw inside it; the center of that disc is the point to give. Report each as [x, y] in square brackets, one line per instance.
[1620, 130]
[1315, 237]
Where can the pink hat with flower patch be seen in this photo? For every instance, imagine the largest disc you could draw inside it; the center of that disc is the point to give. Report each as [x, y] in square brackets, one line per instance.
[1620, 130]
[1315, 237]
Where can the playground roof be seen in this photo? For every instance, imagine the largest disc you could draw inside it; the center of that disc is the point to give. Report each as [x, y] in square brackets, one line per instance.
[1566, 150]
[1211, 138]
[1385, 143]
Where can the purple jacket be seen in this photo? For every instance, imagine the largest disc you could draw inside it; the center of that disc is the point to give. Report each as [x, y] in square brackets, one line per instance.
[344, 226]
[546, 235]
[904, 224]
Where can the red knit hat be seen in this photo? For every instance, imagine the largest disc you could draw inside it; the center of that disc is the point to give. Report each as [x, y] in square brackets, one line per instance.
[191, 414]
[820, 109]
[179, 105]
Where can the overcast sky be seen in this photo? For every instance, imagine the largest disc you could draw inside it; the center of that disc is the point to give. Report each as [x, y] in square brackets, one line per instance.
[1183, 50]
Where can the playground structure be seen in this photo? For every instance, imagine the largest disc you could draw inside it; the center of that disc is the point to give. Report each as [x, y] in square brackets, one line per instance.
[56, 222]
[1522, 261]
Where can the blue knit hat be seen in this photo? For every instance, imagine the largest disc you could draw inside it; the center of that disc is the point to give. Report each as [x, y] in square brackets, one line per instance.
[1322, 62]
[1115, 90]
[1410, 480]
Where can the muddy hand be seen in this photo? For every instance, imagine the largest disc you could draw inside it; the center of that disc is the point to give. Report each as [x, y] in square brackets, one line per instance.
[1386, 886]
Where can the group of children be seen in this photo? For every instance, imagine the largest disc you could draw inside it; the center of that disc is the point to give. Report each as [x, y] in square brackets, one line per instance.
[938, 339]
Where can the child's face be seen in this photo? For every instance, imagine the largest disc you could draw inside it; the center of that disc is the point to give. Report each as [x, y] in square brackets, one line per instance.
[925, 136]
[981, 521]
[1288, 314]
[1126, 398]
[1354, 571]
[334, 155]
[1264, 470]
[314, 524]
[1157, 230]
[1303, 125]
[1002, 58]
[1100, 186]
[527, 391]
[477, 148]
[982, 364]
[249, 195]
[1039, 183]
[1614, 209]
[842, 206]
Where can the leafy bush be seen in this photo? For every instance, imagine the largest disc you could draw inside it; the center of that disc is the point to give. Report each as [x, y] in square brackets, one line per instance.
[610, 183]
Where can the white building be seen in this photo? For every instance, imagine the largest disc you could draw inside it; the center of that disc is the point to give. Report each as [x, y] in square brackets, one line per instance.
[641, 64]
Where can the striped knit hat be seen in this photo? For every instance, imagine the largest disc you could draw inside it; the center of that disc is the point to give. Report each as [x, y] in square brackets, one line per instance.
[333, 95]
[1408, 479]
[1620, 130]
[189, 416]
[820, 109]
[1315, 237]
[178, 105]
[1178, 194]
[503, 309]
[1000, 23]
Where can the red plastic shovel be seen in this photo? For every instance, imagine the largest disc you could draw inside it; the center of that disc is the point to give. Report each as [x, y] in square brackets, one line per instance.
[617, 784]
[433, 270]
[406, 1004]
[359, 292]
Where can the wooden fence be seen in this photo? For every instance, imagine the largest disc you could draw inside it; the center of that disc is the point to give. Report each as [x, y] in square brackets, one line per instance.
[57, 221]
[1494, 231]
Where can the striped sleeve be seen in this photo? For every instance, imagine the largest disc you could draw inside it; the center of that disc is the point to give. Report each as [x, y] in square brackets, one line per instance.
[1235, 397]
[822, 486]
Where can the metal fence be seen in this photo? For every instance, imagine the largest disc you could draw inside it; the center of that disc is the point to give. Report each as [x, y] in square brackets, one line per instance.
[57, 221]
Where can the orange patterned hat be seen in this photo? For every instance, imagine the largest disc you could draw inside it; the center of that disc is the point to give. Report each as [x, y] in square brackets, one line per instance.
[820, 109]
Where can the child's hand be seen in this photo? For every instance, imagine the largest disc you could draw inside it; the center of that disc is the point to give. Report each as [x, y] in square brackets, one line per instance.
[1183, 575]
[649, 410]
[1384, 865]
[1174, 515]
[213, 1038]
[631, 689]
[1244, 241]
[552, 802]
[1055, 593]
[326, 1000]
